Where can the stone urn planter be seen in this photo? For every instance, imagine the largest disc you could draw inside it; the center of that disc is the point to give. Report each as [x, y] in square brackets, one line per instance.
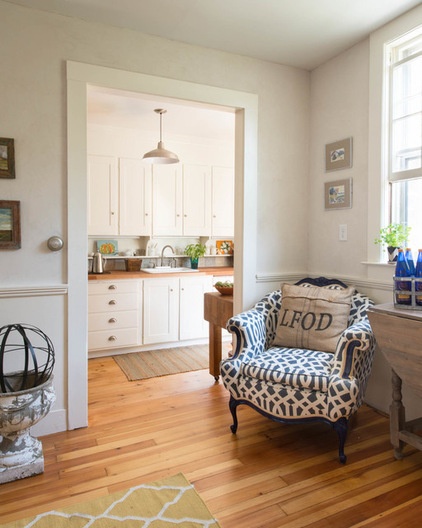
[26, 396]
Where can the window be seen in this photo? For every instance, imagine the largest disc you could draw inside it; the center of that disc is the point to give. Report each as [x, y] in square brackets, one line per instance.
[404, 109]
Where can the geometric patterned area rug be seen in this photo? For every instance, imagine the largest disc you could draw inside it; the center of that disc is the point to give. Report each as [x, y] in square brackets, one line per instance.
[168, 502]
[153, 363]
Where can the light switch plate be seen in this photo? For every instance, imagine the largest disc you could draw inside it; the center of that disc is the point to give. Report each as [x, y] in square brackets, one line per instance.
[342, 232]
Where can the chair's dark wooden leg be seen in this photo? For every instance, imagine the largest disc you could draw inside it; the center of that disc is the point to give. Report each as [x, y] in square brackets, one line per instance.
[341, 429]
[233, 406]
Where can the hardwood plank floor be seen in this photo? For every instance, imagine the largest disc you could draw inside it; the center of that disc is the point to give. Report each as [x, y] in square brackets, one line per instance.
[268, 475]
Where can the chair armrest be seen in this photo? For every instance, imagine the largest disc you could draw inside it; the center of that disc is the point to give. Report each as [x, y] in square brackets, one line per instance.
[250, 330]
[354, 352]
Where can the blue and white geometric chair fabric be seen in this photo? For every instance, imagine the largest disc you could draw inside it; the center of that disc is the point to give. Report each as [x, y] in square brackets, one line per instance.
[293, 384]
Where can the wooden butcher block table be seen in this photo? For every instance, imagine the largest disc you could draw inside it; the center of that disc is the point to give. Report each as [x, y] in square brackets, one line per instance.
[217, 311]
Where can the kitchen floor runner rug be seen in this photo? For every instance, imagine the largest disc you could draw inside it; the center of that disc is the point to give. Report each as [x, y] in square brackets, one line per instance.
[154, 363]
[168, 502]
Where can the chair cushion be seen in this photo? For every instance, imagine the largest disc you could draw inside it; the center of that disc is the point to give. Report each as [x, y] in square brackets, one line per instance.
[312, 317]
[309, 369]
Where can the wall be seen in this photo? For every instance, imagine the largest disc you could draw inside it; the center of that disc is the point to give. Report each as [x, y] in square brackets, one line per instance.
[340, 103]
[35, 48]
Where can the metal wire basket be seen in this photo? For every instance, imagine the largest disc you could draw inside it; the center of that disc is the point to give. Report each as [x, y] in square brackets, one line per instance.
[26, 357]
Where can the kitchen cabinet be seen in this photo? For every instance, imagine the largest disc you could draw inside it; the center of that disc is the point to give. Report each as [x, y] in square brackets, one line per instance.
[167, 200]
[119, 196]
[196, 200]
[174, 309]
[193, 200]
[135, 205]
[192, 324]
[161, 310]
[222, 202]
[114, 314]
[102, 195]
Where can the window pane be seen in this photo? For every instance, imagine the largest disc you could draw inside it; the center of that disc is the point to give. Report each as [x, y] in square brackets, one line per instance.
[407, 115]
[407, 208]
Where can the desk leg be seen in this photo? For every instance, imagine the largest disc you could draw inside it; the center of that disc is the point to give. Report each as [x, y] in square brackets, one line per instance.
[397, 416]
[215, 350]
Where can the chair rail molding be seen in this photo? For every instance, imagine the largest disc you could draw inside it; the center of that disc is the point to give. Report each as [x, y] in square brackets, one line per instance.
[33, 291]
[359, 282]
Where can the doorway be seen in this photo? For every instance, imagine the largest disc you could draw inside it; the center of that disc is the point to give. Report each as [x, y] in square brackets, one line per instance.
[79, 76]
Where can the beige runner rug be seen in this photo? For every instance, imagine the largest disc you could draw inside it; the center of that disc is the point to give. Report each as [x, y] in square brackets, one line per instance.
[169, 502]
[153, 363]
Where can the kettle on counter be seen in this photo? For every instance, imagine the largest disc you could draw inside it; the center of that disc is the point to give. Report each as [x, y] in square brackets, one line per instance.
[99, 263]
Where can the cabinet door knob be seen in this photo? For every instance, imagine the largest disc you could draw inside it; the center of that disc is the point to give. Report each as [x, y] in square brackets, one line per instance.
[112, 320]
[112, 338]
[112, 302]
[112, 287]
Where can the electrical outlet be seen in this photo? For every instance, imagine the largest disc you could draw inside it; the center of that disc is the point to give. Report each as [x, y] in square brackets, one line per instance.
[342, 232]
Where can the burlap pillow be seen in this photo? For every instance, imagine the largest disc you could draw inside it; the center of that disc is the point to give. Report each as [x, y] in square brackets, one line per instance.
[312, 317]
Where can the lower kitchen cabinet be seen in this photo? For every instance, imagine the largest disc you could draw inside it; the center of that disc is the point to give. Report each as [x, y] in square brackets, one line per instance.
[174, 309]
[161, 310]
[133, 314]
[114, 314]
[192, 324]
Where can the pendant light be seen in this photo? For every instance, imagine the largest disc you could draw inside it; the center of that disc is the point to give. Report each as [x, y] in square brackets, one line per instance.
[160, 154]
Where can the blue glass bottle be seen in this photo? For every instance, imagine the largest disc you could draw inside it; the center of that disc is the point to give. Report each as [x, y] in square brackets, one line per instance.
[418, 278]
[401, 287]
[409, 259]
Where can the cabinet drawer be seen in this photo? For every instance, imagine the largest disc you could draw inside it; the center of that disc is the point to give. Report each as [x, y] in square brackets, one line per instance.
[112, 320]
[112, 302]
[113, 338]
[119, 286]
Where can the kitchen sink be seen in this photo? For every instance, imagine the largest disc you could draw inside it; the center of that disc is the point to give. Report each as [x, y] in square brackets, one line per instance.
[167, 269]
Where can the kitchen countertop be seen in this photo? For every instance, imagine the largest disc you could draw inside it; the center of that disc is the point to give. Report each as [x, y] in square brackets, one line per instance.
[114, 275]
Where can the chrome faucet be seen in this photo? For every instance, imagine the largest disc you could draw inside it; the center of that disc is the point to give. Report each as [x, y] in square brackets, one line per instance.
[162, 252]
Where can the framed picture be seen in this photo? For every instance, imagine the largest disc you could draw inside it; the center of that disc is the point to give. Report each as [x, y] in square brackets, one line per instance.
[7, 158]
[224, 247]
[338, 194]
[338, 155]
[10, 225]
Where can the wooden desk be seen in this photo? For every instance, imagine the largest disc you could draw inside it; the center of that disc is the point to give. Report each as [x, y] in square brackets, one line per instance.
[217, 311]
[399, 336]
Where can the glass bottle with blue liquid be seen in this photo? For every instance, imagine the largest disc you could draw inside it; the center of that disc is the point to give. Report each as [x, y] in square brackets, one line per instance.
[418, 278]
[402, 287]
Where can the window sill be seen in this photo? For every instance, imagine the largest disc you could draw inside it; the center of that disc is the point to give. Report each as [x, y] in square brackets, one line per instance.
[382, 264]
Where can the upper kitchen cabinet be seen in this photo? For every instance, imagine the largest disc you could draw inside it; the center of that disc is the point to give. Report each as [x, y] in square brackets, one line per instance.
[193, 200]
[103, 195]
[196, 200]
[119, 196]
[222, 202]
[167, 200]
[135, 210]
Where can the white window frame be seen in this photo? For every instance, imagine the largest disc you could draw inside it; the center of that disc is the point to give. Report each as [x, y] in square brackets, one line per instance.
[378, 186]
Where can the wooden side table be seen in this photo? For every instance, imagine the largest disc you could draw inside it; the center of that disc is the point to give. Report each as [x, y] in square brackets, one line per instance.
[217, 311]
[399, 336]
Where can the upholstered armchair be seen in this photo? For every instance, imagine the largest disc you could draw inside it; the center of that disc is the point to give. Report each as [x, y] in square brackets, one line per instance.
[286, 377]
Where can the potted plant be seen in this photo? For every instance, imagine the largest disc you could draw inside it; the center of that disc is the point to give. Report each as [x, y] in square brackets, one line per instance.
[194, 251]
[393, 236]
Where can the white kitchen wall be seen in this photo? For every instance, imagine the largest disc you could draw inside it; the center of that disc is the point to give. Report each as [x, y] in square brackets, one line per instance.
[35, 47]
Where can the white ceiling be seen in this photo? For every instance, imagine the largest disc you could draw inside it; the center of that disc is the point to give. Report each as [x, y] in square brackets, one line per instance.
[300, 33]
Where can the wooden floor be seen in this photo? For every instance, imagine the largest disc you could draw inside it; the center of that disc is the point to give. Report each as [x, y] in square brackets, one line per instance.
[268, 475]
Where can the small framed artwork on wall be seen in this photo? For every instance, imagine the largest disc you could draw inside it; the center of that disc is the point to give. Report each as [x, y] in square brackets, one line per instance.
[338, 155]
[10, 224]
[7, 158]
[338, 194]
